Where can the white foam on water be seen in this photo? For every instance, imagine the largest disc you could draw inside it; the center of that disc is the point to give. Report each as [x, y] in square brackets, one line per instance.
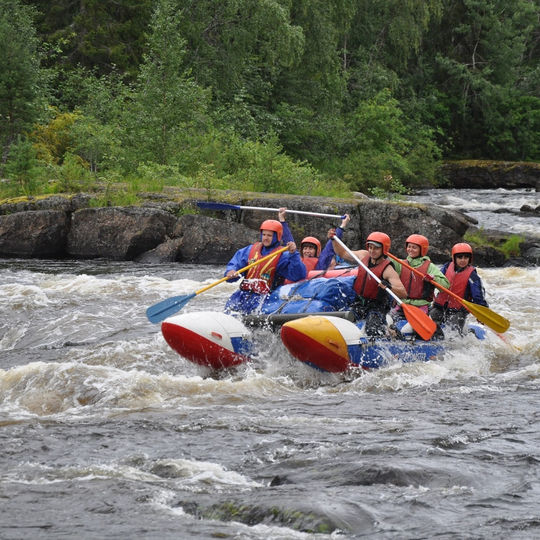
[200, 475]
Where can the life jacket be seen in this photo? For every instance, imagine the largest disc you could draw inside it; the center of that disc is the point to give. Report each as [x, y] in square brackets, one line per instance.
[458, 285]
[364, 284]
[310, 262]
[414, 284]
[260, 278]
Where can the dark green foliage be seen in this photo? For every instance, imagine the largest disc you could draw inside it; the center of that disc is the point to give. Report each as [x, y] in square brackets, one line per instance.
[22, 168]
[22, 84]
[279, 95]
[100, 34]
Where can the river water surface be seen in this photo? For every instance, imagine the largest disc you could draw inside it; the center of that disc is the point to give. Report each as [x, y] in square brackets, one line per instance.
[107, 433]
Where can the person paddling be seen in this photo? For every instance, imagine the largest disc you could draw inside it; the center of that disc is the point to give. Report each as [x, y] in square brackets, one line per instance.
[420, 292]
[265, 277]
[465, 282]
[372, 302]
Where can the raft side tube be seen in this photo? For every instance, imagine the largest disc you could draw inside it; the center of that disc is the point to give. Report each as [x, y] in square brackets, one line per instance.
[275, 320]
[216, 340]
[321, 342]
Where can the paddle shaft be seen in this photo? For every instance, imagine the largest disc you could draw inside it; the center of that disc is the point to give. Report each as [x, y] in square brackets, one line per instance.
[225, 206]
[251, 265]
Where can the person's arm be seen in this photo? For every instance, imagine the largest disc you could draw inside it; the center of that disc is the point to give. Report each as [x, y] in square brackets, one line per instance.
[360, 253]
[343, 225]
[438, 276]
[239, 260]
[287, 234]
[392, 277]
[325, 258]
[327, 254]
[290, 265]
[476, 289]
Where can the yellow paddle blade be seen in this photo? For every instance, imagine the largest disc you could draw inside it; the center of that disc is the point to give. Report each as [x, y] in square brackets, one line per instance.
[487, 316]
[482, 313]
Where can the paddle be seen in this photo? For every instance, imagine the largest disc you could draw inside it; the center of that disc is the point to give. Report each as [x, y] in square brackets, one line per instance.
[485, 315]
[420, 322]
[224, 206]
[160, 311]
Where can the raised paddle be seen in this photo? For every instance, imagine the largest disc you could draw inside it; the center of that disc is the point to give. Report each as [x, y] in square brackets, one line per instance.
[485, 315]
[421, 323]
[206, 205]
[160, 311]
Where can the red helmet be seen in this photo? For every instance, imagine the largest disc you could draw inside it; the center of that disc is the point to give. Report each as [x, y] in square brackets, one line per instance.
[311, 240]
[272, 225]
[381, 239]
[419, 240]
[462, 247]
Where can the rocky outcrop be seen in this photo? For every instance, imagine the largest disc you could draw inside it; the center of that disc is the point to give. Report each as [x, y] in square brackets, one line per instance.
[60, 227]
[200, 239]
[40, 234]
[477, 174]
[117, 233]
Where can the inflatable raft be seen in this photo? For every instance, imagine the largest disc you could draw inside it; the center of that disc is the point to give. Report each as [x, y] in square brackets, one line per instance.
[315, 327]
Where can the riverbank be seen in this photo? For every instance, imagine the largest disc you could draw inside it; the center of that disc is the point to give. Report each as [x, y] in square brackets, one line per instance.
[169, 227]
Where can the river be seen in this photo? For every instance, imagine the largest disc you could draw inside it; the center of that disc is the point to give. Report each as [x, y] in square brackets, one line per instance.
[107, 433]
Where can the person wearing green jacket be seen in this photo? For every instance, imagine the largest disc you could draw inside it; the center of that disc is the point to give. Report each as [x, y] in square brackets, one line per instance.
[419, 291]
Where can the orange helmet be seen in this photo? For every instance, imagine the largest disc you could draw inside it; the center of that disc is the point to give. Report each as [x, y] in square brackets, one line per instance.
[462, 247]
[419, 240]
[272, 225]
[311, 240]
[379, 239]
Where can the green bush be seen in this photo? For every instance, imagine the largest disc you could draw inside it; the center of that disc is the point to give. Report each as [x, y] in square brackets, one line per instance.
[512, 246]
[22, 170]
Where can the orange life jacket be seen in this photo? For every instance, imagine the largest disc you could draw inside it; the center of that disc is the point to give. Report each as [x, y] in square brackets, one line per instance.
[259, 278]
[458, 285]
[310, 263]
[414, 284]
[364, 284]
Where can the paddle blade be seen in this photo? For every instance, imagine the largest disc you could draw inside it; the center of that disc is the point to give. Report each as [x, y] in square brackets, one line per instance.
[160, 311]
[421, 323]
[488, 317]
[207, 205]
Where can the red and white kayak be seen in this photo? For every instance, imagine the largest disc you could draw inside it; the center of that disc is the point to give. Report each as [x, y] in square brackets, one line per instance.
[208, 338]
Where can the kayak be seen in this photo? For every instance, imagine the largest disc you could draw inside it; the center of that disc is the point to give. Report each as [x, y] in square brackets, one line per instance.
[315, 327]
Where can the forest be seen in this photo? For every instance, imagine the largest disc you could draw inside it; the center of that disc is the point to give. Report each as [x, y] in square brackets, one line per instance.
[288, 96]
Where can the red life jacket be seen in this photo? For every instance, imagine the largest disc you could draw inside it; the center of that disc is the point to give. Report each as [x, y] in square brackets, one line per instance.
[414, 284]
[259, 279]
[310, 263]
[458, 285]
[364, 284]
